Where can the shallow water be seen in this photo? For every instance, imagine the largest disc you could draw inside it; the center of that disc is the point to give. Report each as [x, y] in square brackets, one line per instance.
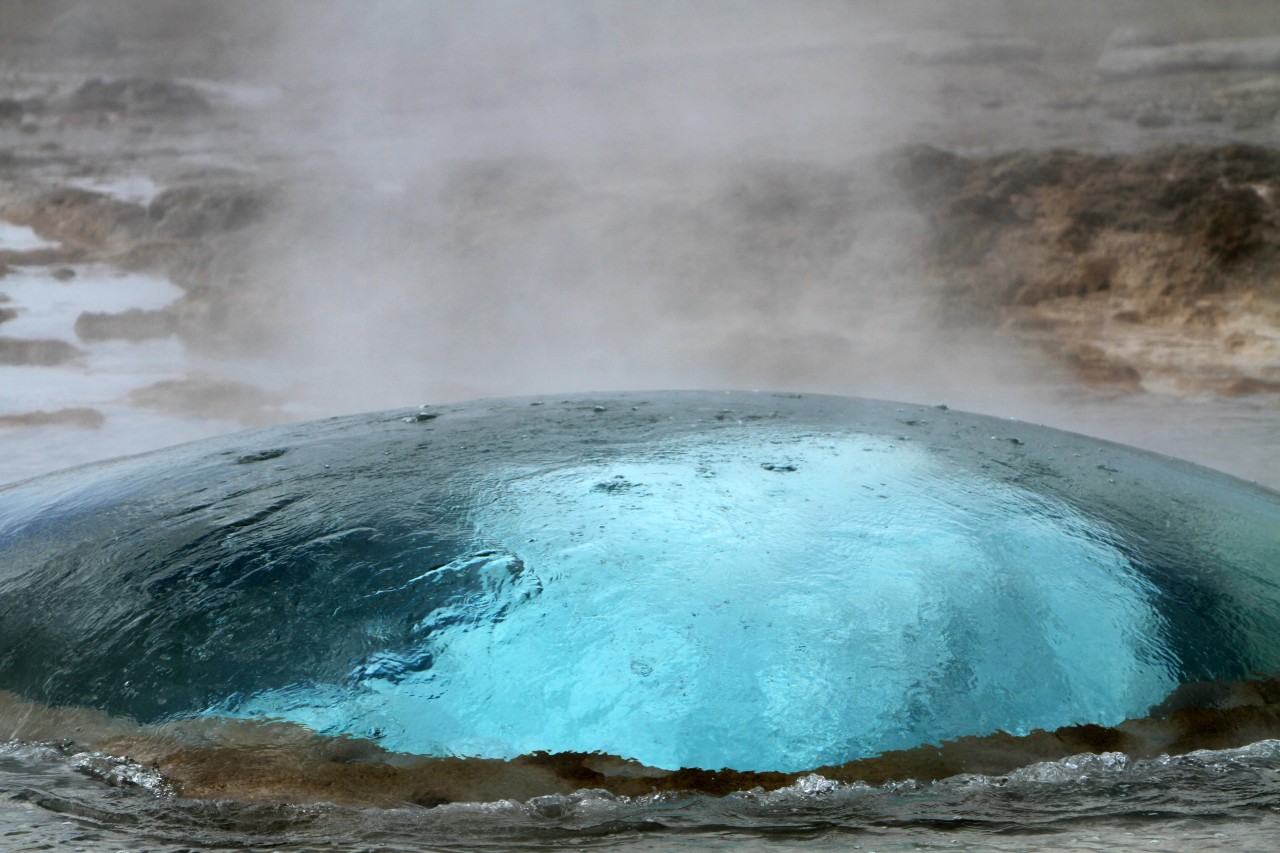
[19, 238]
[100, 378]
[136, 189]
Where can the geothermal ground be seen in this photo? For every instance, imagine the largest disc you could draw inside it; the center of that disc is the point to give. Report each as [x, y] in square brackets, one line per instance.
[221, 219]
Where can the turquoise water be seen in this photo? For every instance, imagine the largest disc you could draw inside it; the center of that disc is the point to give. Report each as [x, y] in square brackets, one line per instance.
[759, 603]
[691, 579]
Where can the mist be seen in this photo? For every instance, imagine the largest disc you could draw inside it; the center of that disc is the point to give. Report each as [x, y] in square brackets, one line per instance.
[420, 201]
[532, 197]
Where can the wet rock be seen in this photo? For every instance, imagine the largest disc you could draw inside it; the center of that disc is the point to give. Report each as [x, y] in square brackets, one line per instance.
[1056, 245]
[1213, 55]
[42, 257]
[207, 397]
[138, 96]
[1248, 386]
[7, 314]
[1207, 197]
[1095, 367]
[63, 274]
[1227, 222]
[36, 352]
[228, 305]
[196, 211]
[82, 417]
[132, 325]
[79, 218]
[162, 254]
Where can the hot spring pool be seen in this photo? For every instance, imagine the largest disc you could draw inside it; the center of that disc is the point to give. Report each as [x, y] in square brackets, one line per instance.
[707, 581]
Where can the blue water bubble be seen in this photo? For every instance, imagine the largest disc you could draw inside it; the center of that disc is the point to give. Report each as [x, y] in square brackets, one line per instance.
[704, 580]
[877, 598]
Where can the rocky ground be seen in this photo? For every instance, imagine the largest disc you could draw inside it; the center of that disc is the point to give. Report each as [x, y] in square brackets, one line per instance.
[994, 204]
[1155, 271]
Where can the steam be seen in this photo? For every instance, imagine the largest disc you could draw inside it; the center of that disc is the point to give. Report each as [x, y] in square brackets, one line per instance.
[533, 197]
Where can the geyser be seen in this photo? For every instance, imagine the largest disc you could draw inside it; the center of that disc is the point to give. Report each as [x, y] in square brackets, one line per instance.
[750, 581]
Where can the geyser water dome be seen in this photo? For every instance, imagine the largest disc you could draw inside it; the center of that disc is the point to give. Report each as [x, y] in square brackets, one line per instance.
[762, 602]
[690, 580]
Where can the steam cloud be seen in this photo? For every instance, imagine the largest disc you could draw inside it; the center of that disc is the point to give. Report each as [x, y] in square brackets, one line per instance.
[528, 197]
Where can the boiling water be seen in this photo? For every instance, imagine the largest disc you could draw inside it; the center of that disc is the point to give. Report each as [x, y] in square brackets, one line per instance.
[758, 582]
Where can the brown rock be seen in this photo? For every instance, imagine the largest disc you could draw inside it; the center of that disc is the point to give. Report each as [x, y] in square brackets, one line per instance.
[36, 352]
[41, 257]
[1170, 243]
[132, 325]
[138, 95]
[199, 211]
[80, 218]
[207, 397]
[1094, 366]
[81, 417]
[1247, 386]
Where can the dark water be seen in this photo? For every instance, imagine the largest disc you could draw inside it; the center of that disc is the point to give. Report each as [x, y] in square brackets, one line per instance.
[760, 582]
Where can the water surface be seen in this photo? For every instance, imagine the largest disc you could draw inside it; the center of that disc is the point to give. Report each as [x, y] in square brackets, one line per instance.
[768, 583]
